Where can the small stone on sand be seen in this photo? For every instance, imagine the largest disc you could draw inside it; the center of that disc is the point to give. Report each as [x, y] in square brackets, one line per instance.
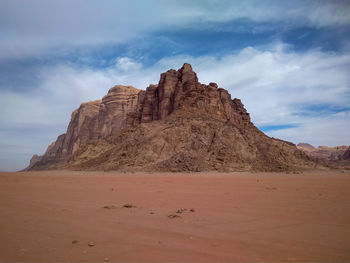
[109, 207]
[173, 216]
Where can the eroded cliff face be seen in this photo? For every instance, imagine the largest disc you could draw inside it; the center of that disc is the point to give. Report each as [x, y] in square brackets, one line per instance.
[177, 125]
[180, 91]
[114, 109]
[91, 121]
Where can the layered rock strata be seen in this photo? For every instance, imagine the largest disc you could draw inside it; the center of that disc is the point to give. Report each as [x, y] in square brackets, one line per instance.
[177, 125]
[91, 121]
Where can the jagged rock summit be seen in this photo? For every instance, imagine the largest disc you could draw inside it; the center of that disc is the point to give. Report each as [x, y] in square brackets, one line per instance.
[177, 125]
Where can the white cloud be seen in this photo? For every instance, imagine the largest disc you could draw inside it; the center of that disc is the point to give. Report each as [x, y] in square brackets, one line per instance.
[273, 84]
[64, 87]
[298, 12]
[330, 130]
[127, 64]
[335, 13]
[40, 26]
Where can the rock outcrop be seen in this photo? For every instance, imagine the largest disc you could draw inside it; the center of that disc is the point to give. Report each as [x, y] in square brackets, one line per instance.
[177, 125]
[306, 147]
[91, 121]
[34, 160]
[323, 153]
[346, 155]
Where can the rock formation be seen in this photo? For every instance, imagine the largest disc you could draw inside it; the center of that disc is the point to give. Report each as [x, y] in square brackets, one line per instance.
[177, 125]
[34, 160]
[323, 153]
[346, 155]
[91, 121]
[306, 147]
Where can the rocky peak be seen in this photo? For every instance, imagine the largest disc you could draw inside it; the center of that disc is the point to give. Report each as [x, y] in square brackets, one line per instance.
[305, 146]
[187, 75]
[123, 89]
[186, 67]
[180, 90]
[176, 125]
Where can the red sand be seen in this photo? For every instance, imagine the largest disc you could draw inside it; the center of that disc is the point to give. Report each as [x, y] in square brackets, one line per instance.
[250, 217]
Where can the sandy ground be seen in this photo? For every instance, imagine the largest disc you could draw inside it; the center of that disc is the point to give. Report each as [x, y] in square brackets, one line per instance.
[245, 217]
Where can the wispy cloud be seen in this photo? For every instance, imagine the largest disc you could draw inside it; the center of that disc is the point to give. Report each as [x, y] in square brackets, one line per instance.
[40, 27]
[330, 130]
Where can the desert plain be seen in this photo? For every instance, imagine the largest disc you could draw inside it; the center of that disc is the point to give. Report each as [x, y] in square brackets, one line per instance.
[72, 216]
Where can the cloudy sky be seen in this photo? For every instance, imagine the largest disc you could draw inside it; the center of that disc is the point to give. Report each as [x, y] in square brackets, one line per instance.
[288, 61]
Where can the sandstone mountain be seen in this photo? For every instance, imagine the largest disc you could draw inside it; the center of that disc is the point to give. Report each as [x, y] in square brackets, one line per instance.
[91, 121]
[323, 153]
[306, 147]
[177, 125]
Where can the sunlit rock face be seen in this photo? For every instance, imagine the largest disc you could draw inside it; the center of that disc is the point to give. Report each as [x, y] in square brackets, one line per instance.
[176, 125]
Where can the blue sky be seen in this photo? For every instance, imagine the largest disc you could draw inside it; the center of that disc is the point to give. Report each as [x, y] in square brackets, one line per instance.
[288, 61]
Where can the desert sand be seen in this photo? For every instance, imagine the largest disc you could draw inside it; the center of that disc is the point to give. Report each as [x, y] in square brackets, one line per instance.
[52, 216]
